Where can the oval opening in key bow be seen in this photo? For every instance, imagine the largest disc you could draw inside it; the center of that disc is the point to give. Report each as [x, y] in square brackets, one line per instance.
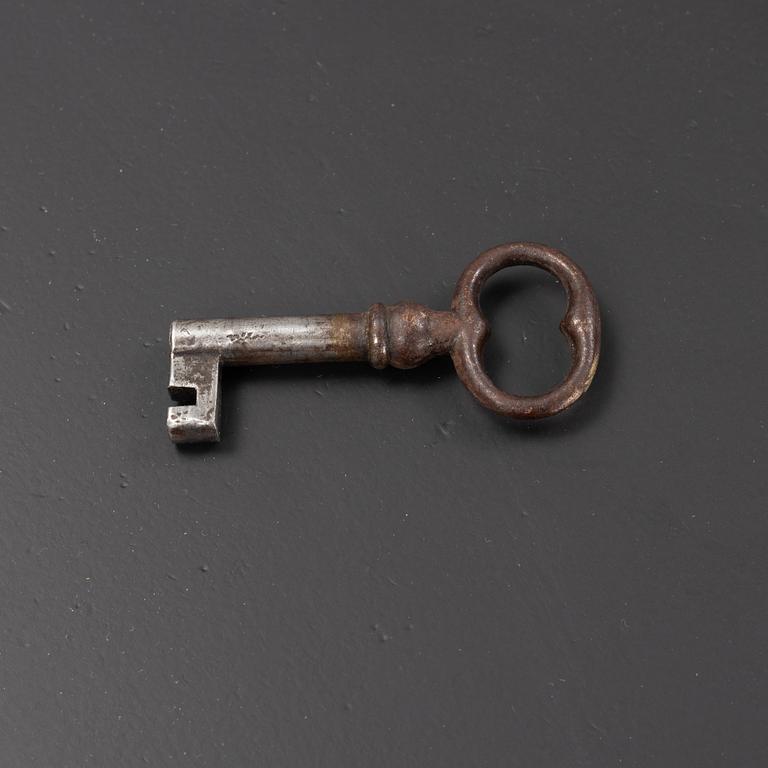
[525, 352]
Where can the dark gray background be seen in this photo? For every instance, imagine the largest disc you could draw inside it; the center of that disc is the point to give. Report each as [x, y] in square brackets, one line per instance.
[371, 570]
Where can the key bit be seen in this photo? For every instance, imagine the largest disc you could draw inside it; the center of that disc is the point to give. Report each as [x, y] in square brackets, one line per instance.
[402, 335]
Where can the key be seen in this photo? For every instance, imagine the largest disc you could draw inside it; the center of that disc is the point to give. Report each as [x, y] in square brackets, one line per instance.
[402, 335]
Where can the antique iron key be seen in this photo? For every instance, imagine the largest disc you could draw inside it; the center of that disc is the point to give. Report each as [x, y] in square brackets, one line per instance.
[401, 335]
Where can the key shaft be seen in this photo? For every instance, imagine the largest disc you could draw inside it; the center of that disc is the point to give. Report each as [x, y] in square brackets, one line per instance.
[401, 335]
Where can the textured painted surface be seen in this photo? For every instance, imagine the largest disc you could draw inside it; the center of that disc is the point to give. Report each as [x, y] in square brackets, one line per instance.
[328, 587]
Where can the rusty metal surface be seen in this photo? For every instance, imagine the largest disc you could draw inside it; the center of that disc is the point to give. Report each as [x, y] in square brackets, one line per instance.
[401, 335]
[580, 325]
